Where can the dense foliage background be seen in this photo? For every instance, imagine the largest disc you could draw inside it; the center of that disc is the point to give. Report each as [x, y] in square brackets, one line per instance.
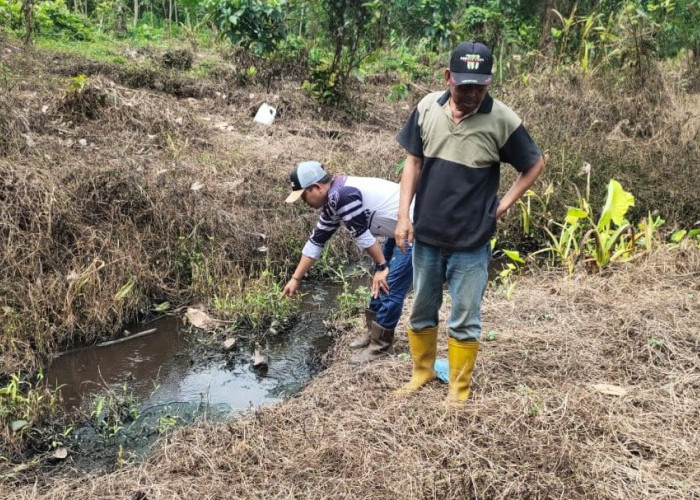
[338, 35]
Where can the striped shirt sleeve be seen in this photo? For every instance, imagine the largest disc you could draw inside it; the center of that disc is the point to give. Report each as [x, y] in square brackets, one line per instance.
[344, 206]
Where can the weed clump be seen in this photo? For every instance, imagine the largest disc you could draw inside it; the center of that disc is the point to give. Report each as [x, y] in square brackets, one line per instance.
[86, 99]
[28, 417]
[181, 59]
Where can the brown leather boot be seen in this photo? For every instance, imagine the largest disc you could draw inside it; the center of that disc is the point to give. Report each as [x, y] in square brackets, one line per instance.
[363, 340]
[381, 344]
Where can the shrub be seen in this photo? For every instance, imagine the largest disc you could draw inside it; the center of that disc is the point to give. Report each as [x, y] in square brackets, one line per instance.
[254, 24]
[53, 16]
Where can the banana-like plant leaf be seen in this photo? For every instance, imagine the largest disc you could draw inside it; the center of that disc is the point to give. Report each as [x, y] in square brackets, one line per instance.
[617, 203]
[574, 214]
[514, 255]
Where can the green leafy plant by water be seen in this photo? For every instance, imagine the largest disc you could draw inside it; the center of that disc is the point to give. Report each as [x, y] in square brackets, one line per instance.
[113, 411]
[256, 304]
[28, 416]
[349, 302]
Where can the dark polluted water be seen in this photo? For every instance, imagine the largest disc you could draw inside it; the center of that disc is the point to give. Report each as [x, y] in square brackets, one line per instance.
[170, 379]
[162, 366]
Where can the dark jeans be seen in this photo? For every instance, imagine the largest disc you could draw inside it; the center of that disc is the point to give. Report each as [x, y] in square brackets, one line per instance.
[388, 306]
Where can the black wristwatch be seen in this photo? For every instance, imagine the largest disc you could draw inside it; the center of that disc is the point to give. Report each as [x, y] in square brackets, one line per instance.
[381, 267]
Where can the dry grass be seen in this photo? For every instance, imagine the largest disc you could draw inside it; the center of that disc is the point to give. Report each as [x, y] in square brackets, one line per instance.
[542, 421]
[106, 187]
[645, 138]
[112, 184]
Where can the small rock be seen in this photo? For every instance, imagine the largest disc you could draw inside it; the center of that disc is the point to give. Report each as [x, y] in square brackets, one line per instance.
[200, 319]
[274, 328]
[259, 359]
[228, 344]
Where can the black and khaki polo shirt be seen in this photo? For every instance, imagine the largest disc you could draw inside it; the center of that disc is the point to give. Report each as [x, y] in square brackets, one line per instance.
[457, 192]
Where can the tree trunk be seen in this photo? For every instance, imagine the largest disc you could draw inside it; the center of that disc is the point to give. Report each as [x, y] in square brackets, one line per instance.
[170, 18]
[545, 42]
[136, 12]
[27, 7]
[121, 19]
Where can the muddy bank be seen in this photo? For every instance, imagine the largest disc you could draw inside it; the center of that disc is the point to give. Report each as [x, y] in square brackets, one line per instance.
[589, 389]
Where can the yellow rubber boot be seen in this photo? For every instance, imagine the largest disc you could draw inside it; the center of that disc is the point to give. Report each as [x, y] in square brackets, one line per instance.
[461, 356]
[423, 344]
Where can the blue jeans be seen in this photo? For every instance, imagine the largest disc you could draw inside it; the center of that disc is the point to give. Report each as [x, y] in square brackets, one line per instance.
[466, 275]
[388, 306]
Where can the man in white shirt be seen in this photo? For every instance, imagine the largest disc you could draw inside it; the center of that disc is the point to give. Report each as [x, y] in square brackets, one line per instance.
[368, 208]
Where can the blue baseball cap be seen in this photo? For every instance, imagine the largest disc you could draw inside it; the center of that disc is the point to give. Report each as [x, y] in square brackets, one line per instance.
[304, 175]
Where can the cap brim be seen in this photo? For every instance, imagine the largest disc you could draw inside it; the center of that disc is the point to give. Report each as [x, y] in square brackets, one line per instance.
[294, 196]
[470, 78]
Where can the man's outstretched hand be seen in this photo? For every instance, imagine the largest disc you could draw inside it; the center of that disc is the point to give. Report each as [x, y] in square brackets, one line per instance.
[290, 289]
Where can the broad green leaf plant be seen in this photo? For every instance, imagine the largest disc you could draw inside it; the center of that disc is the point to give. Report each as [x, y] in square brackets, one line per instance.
[602, 242]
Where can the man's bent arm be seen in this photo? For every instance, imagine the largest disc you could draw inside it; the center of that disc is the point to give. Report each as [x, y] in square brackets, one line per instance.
[409, 181]
[523, 182]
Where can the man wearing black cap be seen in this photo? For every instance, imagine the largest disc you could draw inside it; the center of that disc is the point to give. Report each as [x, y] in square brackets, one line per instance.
[455, 143]
[368, 208]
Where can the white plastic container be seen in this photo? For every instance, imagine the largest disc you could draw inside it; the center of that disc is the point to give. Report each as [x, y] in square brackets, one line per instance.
[265, 115]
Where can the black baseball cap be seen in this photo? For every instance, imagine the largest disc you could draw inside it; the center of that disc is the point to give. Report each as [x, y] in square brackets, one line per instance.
[471, 62]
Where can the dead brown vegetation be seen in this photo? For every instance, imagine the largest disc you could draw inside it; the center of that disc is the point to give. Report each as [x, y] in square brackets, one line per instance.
[645, 137]
[108, 185]
[589, 390]
[14, 126]
[108, 188]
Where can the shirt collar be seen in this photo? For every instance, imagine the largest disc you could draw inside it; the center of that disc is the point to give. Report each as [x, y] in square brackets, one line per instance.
[485, 107]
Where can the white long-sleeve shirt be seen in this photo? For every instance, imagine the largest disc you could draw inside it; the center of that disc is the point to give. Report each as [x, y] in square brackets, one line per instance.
[367, 206]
